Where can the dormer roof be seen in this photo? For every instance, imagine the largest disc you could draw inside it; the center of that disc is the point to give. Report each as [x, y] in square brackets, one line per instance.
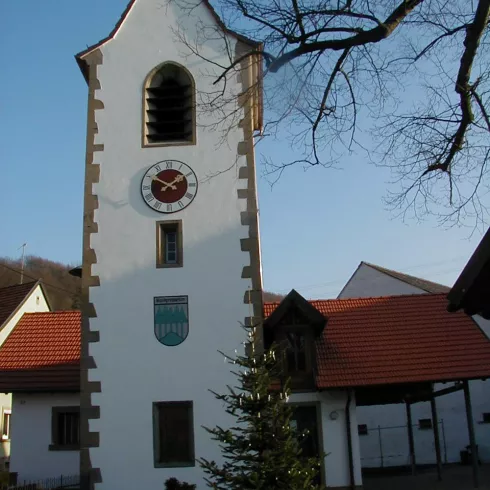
[313, 317]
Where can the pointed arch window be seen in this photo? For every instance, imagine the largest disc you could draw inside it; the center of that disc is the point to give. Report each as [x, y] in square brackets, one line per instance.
[169, 115]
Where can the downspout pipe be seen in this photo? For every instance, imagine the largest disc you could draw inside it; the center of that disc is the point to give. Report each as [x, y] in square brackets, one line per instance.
[348, 430]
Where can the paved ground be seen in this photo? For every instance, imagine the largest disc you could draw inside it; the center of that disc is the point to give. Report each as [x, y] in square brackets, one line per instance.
[453, 478]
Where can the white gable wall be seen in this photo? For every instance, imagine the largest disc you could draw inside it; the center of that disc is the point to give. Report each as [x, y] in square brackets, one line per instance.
[31, 436]
[134, 369]
[389, 421]
[369, 282]
[35, 302]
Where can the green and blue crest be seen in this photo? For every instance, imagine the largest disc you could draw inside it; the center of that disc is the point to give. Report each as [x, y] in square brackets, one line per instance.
[171, 319]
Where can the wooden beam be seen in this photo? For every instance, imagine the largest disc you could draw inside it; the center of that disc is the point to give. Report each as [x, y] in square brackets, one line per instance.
[446, 391]
[471, 432]
[411, 444]
[437, 443]
[434, 394]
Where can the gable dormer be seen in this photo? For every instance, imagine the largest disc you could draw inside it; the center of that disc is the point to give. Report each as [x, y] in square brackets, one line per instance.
[294, 327]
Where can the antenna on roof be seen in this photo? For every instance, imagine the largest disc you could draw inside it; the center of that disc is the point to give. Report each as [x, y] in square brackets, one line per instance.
[23, 247]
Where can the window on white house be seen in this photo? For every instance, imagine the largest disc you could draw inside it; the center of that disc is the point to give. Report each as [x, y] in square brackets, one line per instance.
[425, 424]
[362, 429]
[6, 424]
[65, 428]
[486, 417]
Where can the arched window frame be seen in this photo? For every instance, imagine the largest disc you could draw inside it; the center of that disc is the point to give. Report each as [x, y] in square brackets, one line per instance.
[193, 139]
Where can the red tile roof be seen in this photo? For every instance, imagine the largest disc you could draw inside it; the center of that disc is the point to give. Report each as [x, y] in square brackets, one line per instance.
[12, 297]
[42, 353]
[366, 342]
[396, 339]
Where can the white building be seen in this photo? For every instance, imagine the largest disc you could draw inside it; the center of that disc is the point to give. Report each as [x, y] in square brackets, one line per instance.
[40, 365]
[14, 302]
[171, 261]
[385, 443]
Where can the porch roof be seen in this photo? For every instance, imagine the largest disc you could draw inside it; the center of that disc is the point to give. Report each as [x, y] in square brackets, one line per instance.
[396, 340]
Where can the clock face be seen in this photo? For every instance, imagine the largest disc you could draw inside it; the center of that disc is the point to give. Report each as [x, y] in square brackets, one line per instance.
[169, 186]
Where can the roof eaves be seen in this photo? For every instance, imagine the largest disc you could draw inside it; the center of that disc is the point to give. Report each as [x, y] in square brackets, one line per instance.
[45, 294]
[350, 278]
[20, 305]
[469, 274]
[80, 57]
[316, 318]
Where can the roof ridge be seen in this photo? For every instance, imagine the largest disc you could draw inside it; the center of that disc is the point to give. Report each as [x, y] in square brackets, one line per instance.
[386, 296]
[57, 312]
[79, 56]
[3, 288]
[418, 282]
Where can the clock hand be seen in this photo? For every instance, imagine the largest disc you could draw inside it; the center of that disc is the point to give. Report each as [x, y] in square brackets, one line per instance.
[166, 184]
[179, 178]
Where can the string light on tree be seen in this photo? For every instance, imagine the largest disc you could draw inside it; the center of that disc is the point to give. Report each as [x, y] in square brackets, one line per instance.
[261, 443]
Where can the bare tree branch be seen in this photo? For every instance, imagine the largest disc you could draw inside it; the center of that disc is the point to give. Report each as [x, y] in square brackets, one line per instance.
[410, 89]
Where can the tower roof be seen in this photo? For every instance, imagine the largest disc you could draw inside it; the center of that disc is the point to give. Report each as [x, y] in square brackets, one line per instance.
[81, 55]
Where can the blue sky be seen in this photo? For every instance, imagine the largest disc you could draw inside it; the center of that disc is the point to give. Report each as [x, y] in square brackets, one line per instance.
[316, 225]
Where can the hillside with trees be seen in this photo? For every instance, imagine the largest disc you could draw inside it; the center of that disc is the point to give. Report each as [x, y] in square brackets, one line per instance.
[63, 289]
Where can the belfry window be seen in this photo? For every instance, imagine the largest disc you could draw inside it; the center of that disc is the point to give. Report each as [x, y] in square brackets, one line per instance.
[169, 106]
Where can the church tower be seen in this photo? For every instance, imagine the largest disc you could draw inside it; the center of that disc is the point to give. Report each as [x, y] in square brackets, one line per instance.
[171, 254]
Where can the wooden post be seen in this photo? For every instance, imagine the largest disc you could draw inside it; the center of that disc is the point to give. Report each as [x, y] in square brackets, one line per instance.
[471, 432]
[411, 444]
[437, 443]
[380, 445]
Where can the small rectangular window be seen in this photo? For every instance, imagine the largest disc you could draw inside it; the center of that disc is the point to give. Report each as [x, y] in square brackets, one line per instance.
[6, 424]
[173, 434]
[362, 429]
[169, 244]
[65, 428]
[486, 417]
[425, 424]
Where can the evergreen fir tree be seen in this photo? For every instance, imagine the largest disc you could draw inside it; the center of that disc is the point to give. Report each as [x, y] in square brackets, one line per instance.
[261, 450]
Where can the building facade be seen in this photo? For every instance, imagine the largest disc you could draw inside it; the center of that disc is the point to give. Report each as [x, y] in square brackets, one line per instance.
[14, 302]
[40, 367]
[171, 261]
[35, 456]
[383, 430]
